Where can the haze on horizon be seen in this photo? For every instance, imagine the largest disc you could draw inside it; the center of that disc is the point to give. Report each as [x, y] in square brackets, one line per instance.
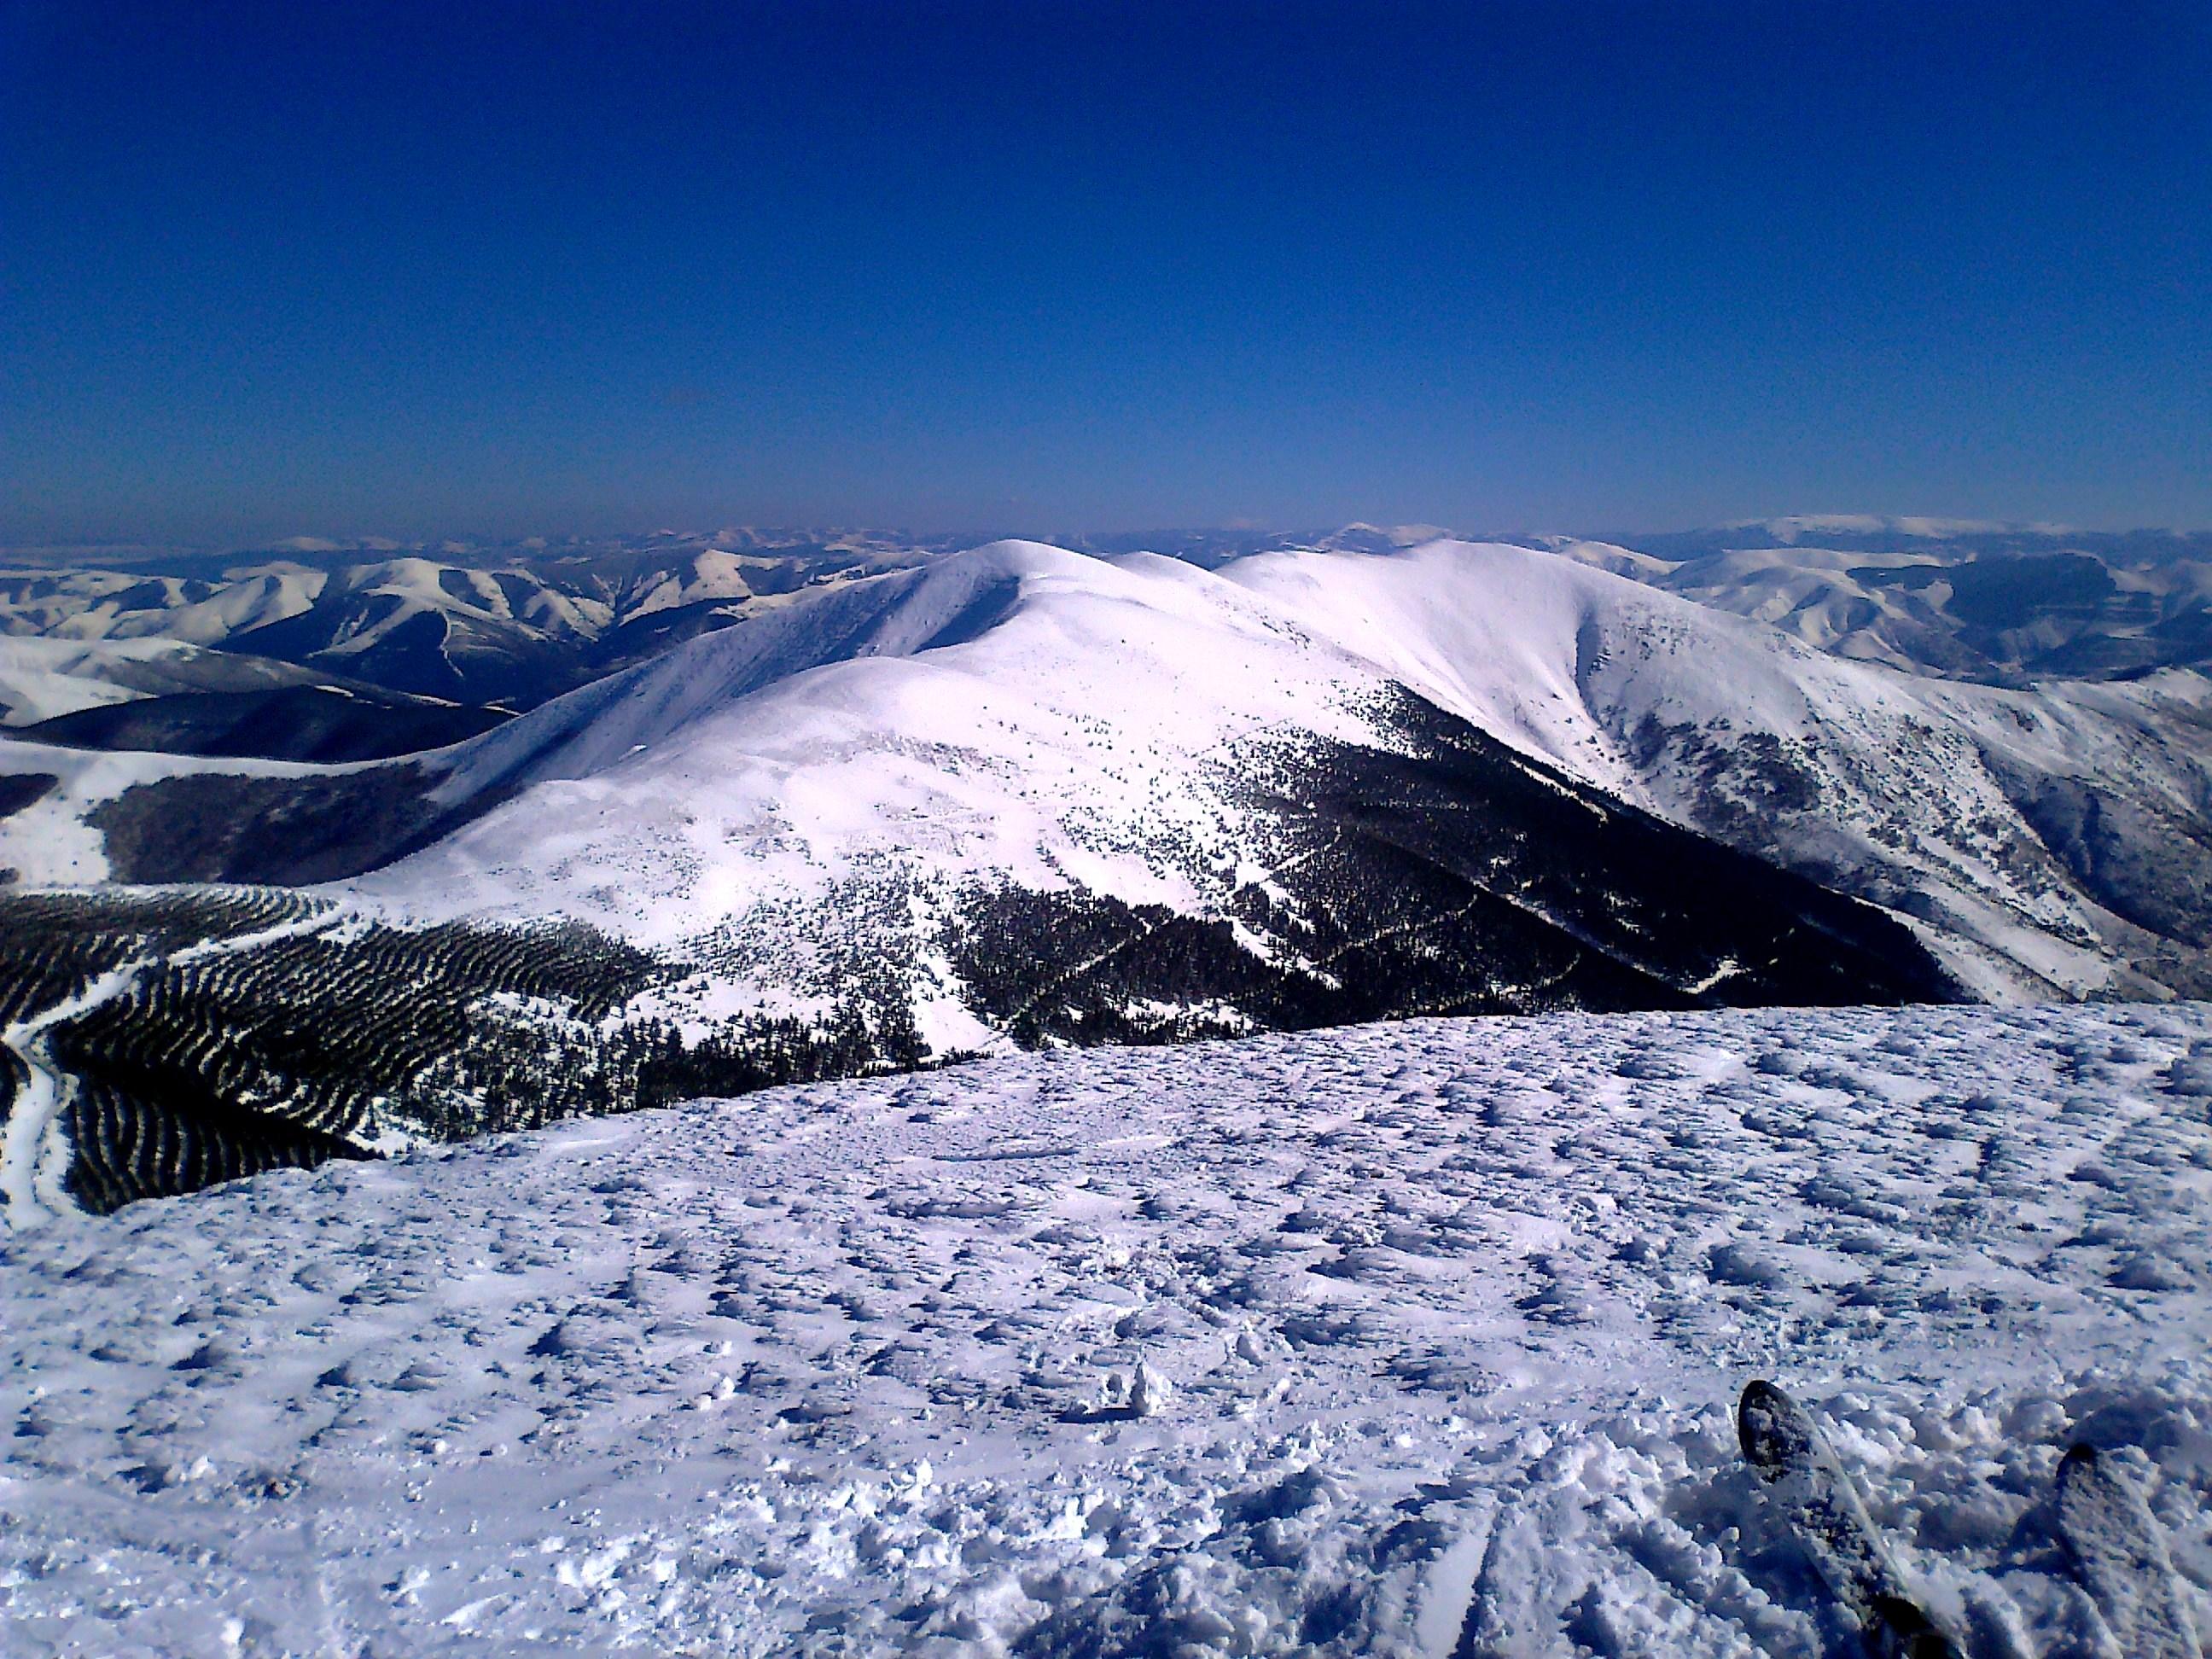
[409, 270]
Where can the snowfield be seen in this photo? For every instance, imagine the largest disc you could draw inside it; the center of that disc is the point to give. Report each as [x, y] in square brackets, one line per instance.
[1417, 1338]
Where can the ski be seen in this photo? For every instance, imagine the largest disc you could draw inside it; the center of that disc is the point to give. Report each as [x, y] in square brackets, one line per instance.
[1787, 1450]
[2120, 1556]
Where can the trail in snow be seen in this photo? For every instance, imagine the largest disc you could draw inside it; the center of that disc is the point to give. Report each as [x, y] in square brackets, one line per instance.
[33, 1164]
[1454, 1314]
[28, 1173]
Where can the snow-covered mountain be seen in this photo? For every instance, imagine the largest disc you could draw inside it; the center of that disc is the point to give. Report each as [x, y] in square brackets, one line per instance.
[164, 695]
[513, 624]
[1965, 806]
[1022, 795]
[510, 626]
[43, 679]
[1955, 599]
[1027, 714]
[1414, 1341]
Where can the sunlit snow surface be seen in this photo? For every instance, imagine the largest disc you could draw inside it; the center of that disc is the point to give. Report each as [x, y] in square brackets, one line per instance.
[1437, 1323]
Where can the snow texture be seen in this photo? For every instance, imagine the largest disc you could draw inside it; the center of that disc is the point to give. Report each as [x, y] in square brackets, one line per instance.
[1409, 1339]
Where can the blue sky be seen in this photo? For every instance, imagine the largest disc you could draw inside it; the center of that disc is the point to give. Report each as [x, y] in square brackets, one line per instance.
[497, 270]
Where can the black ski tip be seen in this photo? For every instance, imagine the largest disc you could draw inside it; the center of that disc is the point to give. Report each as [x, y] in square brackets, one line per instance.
[2082, 1455]
[1760, 1411]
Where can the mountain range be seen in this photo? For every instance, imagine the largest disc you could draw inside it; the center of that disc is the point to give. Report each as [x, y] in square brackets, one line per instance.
[861, 805]
[504, 628]
[507, 626]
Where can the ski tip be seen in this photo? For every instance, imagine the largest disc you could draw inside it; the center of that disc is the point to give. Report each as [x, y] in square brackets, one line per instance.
[1759, 1411]
[2081, 1457]
[1762, 1396]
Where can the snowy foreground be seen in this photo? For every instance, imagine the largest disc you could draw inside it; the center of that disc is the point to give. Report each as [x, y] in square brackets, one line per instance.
[1399, 1338]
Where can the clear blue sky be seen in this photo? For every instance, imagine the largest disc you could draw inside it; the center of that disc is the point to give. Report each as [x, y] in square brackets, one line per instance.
[474, 268]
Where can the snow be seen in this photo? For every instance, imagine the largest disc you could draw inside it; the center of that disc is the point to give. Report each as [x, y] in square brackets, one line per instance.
[1490, 632]
[364, 602]
[2119, 1549]
[30, 1172]
[1906, 776]
[267, 594]
[42, 678]
[1407, 1339]
[713, 576]
[34, 1160]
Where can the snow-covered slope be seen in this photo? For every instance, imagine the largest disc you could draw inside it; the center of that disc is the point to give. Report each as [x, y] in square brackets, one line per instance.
[1019, 796]
[1019, 714]
[1438, 1325]
[1018, 711]
[1964, 805]
[42, 679]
